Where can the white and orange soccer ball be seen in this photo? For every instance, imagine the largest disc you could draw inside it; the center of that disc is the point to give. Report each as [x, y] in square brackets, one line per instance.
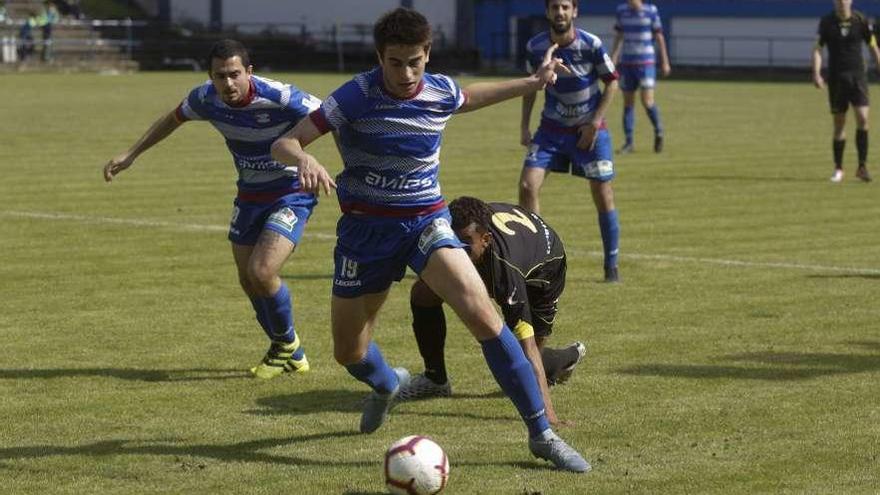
[416, 465]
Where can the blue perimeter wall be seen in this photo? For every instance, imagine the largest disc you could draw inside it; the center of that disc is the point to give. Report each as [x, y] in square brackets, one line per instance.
[492, 16]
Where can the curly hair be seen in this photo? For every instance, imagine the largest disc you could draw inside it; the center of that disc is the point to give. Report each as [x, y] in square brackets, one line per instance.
[225, 49]
[401, 26]
[468, 210]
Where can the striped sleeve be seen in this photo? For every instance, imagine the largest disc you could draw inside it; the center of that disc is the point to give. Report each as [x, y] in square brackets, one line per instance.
[191, 106]
[656, 24]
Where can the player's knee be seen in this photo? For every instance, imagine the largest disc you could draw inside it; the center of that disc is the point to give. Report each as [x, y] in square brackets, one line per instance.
[347, 355]
[261, 276]
[529, 189]
[422, 295]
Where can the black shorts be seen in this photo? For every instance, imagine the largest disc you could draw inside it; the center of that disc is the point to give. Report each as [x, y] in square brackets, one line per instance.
[544, 301]
[847, 89]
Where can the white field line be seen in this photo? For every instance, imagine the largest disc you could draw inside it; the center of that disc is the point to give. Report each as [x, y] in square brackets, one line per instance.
[96, 220]
[319, 235]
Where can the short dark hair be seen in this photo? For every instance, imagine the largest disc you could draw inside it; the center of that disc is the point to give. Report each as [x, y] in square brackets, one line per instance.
[401, 26]
[574, 3]
[468, 210]
[225, 49]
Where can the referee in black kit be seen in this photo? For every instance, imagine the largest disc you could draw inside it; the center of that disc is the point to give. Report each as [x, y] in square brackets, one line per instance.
[844, 31]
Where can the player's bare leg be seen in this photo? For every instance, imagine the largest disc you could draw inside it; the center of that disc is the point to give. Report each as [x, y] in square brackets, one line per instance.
[353, 321]
[530, 181]
[258, 273]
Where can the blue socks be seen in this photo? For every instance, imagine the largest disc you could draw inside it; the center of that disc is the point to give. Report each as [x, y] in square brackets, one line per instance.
[629, 123]
[275, 315]
[654, 115]
[517, 379]
[609, 227]
[374, 371]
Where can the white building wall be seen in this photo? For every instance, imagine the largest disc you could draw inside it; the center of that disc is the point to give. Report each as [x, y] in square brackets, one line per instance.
[743, 41]
[318, 16]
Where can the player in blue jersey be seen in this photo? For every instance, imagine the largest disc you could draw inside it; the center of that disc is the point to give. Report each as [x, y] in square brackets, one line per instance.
[572, 134]
[390, 122]
[638, 26]
[271, 208]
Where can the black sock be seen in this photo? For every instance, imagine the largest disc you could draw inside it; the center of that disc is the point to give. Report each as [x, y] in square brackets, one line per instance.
[838, 146]
[429, 326]
[555, 360]
[862, 146]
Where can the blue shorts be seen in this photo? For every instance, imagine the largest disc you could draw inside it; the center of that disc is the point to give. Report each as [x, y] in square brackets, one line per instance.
[286, 215]
[633, 77]
[372, 252]
[558, 152]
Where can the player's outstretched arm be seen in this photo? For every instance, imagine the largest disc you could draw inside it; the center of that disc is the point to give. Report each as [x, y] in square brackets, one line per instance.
[485, 94]
[288, 149]
[160, 129]
[817, 67]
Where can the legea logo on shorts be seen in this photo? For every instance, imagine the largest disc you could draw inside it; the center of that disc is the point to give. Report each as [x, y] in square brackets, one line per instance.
[284, 218]
[437, 231]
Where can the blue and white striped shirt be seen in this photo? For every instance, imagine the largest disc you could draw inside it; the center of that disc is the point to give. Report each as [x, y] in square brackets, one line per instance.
[638, 28]
[271, 108]
[573, 99]
[390, 147]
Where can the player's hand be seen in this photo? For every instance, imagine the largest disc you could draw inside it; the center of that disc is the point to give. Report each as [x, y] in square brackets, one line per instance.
[525, 137]
[666, 69]
[587, 135]
[818, 81]
[116, 165]
[550, 67]
[314, 177]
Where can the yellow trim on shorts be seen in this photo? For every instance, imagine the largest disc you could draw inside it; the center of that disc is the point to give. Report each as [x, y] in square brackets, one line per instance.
[523, 330]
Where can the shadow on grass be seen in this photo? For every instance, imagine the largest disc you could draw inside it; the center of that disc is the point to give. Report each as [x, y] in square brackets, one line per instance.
[781, 366]
[312, 401]
[193, 457]
[144, 375]
[243, 452]
[316, 401]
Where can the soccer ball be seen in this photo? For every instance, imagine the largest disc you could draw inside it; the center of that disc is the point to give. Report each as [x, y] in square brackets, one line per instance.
[415, 465]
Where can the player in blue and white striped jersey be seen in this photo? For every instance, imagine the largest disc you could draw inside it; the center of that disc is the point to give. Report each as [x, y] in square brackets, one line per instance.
[638, 26]
[271, 208]
[572, 135]
[390, 122]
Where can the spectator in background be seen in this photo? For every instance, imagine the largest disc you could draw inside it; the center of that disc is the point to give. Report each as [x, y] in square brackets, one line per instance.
[48, 18]
[26, 37]
[3, 15]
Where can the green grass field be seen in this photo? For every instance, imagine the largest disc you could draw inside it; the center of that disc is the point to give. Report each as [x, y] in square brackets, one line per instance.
[740, 354]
